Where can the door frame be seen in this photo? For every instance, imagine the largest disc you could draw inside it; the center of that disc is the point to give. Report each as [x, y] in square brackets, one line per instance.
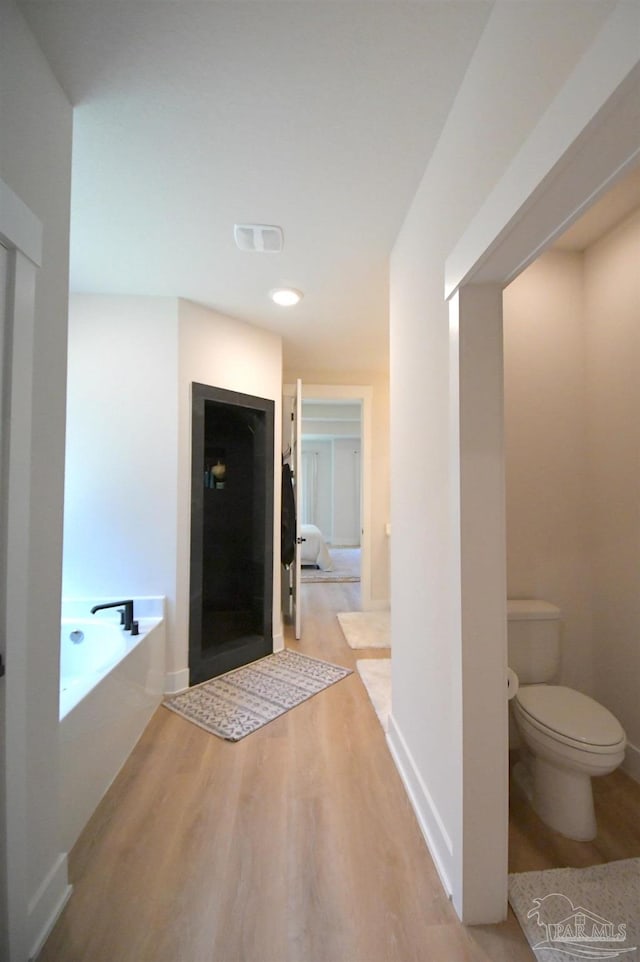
[584, 144]
[21, 233]
[296, 454]
[252, 647]
[364, 394]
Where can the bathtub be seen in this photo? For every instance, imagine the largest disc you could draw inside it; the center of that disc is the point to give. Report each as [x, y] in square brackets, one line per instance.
[89, 649]
[110, 684]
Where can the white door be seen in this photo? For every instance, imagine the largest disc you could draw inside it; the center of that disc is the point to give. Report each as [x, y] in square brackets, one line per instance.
[296, 463]
[4, 915]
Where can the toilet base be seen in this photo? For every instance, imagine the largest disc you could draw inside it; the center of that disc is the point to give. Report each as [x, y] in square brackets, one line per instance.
[564, 800]
[523, 777]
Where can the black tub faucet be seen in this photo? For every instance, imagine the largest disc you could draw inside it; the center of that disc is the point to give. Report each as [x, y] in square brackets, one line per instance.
[126, 613]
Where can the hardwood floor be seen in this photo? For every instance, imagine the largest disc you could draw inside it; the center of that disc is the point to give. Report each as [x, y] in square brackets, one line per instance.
[533, 846]
[296, 844]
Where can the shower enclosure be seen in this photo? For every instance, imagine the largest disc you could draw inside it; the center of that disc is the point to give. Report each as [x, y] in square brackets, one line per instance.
[231, 577]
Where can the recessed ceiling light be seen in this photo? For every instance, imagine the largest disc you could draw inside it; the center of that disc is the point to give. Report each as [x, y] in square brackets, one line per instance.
[286, 296]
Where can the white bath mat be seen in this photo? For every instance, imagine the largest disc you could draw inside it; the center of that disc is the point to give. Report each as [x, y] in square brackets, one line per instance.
[366, 629]
[586, 913]
[376, 677]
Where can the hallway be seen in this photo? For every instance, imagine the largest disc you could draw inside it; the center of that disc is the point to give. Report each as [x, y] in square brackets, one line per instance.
[297, 844]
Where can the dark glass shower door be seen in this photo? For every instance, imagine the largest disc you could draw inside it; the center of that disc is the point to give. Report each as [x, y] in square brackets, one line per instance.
[232, 494]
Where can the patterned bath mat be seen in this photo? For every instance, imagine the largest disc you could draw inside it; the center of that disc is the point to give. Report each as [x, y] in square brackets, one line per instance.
[236, 704]
[580, 913]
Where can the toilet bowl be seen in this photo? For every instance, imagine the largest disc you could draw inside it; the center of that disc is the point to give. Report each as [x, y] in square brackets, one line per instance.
[569, 738]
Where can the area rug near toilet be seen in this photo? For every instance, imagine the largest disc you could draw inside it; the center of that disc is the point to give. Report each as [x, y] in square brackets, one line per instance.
[241, 701]
[580, 913]
[376, 677]
[366, 629]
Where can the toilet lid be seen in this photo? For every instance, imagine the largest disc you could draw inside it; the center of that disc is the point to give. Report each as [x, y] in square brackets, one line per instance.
[570, 714]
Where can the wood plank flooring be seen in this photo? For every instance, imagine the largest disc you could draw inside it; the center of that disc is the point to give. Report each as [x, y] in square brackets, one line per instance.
[296, 844]
[533, 846]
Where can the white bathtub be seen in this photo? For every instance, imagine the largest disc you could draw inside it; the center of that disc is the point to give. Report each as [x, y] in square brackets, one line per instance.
[89, 649]
[110, 684]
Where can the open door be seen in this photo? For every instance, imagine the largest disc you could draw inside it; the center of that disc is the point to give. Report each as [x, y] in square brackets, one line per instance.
[292, 413]
[4, 895]
[296, 456]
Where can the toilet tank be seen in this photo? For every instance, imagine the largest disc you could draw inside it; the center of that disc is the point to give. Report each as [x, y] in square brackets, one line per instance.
[533, 634]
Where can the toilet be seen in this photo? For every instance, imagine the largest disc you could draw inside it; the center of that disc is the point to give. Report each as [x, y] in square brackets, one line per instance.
[568, 737]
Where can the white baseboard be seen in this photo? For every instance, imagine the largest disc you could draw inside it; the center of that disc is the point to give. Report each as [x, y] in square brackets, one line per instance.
[278, 642]
[47, 904]
[631, 763]
[175, 681]
[429, 820]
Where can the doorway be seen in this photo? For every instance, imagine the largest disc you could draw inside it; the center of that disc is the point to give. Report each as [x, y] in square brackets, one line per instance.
[477, 270]
[571, 395]
[362, 395]
[331, 488]
[231, 604]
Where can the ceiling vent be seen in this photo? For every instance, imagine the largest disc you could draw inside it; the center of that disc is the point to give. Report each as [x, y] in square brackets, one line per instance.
[263, 238]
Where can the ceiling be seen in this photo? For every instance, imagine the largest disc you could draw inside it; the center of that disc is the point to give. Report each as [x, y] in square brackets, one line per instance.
[315, 116]
[605, 214]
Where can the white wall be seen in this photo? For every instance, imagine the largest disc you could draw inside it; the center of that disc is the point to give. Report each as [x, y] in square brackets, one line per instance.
[331, 471]
[503, 95]
[122, 448]
[612, 306]
[216, 350]
[338, 488]
[346, 492]
[35, 161]
[128, 484]
[549, 538]
[336, 420]
[317, 457]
